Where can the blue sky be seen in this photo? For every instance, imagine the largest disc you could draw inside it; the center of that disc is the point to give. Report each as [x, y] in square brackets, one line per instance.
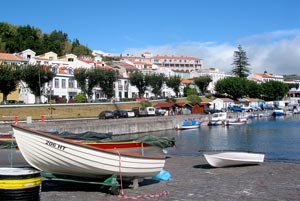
[269, 31]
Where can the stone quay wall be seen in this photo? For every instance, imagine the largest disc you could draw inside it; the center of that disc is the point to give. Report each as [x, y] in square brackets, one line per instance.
[114, 126]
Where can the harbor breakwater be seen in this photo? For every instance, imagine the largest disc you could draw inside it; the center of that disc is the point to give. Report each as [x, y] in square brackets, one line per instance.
[114, 126]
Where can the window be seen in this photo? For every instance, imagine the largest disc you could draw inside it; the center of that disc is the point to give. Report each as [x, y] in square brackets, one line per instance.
[70, 71]
[70, 59]
[71, 83]
[63, 83]
[56, 83]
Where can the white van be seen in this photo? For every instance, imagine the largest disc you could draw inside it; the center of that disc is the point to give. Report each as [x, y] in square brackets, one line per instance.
[150, 111]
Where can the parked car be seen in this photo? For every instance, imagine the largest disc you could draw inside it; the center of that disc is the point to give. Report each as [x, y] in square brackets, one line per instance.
[236, 108]
[212, 111]
[268, 107]
[130, 113]
[106, 114]
[139, 111]
[120, 114]
[150, 111]
[159, 111]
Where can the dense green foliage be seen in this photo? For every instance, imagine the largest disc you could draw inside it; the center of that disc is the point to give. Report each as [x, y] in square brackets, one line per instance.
[235, 88]
[174, 82]
[35, 77]
[137, 79]
[155, 82]
[89, 78]
[19, 38]
[193, 98]
[240, 63]
[202, 83]
[146, 103]
[274, 90]
[9, 79]
[80, 98]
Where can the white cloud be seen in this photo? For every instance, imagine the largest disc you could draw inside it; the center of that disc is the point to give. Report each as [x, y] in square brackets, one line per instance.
[276, 52]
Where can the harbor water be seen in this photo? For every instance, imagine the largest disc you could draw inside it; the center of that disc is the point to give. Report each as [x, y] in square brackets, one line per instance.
[277, 137]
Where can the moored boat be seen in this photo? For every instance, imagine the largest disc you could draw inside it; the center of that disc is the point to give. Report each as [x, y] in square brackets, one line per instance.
[278, 112]
[56, 155]
[188, 124]
[217, 118]
[231, 158]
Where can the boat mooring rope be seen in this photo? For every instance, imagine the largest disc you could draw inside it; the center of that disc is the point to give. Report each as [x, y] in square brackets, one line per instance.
[165, 192]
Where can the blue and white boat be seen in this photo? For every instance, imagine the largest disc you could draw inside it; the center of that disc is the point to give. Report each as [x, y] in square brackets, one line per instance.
[278, 112]
[188, 124]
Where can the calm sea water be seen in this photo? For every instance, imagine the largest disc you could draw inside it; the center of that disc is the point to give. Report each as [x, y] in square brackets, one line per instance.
[278, 138]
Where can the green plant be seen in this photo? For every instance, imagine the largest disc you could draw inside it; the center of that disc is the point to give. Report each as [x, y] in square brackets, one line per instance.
[146, 104]
[80, 98]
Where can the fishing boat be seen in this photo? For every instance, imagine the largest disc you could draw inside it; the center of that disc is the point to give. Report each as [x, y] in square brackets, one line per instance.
[217, 118]
[7, 140]
[235, 121]
[188, 124]
[145, 149]
[230, 158]
[278, 112]
[56, 155]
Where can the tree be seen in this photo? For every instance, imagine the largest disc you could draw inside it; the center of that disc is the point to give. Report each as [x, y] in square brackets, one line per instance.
[88, 79]
[107, 80]
[138, 79]
[18, 38]
[35, 76]
[202, 82]
[240, 63]
[174, 83]
[9, 79]
[155, 81]
[233, 87]
[274, 90]
[253, 89]
[80, 75]
[193, 99]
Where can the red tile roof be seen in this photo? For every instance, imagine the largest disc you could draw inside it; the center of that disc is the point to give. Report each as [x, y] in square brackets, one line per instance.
[9, 57]
[175, 57]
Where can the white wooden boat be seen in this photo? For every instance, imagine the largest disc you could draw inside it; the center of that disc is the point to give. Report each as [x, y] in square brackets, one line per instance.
[226, 159]
[217, 118]
[234, 122]
[56, 155]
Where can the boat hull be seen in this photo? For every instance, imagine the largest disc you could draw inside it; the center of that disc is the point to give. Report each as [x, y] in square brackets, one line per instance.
[56, 155]
[227, 159]
[143, 149]
[187, 127]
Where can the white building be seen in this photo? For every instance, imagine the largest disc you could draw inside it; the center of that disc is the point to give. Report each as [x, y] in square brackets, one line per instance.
[215, 75]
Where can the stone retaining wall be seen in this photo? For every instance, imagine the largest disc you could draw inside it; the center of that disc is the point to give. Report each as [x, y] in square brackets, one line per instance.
[115, 126]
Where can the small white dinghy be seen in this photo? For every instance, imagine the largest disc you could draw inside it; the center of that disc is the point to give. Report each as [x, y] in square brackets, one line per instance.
[231, 158]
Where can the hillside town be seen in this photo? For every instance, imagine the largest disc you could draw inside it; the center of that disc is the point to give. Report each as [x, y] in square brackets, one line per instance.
[64, 85]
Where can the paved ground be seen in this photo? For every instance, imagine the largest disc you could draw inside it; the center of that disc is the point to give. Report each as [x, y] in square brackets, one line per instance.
[192, 179]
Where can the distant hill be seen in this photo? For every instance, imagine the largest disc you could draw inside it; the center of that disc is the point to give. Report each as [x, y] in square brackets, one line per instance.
[18, 38]
[291, 77]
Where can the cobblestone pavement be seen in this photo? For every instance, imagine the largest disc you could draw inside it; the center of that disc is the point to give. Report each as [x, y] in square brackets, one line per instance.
[194, 179]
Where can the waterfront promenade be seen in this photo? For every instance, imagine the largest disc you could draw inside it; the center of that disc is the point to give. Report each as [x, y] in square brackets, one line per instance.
[192, 180]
